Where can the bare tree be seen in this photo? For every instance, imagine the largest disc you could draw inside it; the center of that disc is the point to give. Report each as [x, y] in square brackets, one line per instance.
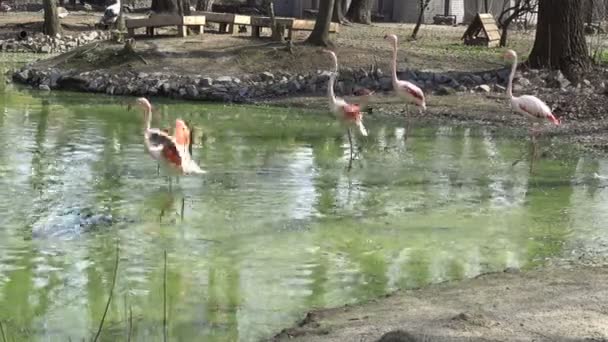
[360, 11]
[320, 34]
[560, 39]
[52, 26]
[204, 5]
[510, 13]
[423, 5]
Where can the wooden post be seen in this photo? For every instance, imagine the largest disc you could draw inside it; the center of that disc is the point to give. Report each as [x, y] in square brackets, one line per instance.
[182, 31]
[256, 31]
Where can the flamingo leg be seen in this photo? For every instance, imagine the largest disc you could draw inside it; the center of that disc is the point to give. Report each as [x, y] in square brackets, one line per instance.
[350, 142]
[407, 121]
[182, 210]
[157, 168]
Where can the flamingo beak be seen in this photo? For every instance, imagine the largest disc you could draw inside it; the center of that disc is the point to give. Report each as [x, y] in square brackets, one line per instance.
[554, 119]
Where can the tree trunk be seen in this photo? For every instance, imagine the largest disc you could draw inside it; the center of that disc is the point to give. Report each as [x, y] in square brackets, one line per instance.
[423, 4]
[560, 39]
[181, 7]
[486, 6]
[340, 9]
[360, 11]
[278, 31]
[51, 21]
[320, 33]
[204, 5]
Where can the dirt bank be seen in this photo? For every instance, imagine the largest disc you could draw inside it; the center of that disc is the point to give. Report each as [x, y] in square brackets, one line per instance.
[554, 304]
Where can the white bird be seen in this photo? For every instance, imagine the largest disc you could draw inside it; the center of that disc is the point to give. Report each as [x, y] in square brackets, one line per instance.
[407, 90]
[529, 106]
[348, 114]
[111, 14]
[5, 7]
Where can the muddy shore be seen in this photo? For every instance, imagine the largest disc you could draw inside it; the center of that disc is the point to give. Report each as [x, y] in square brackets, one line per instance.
[553, 304]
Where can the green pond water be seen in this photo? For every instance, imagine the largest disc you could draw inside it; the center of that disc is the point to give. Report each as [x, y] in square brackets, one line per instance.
[277, 226]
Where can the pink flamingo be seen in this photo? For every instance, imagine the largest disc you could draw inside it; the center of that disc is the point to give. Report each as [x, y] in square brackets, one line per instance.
[529, 106]
[164, 148]
[407, 90]
[348, 114]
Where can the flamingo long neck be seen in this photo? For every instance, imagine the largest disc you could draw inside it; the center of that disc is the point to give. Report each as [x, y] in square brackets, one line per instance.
[148, 117]
[395, 62]
[330, 89]
[511, 76]
[332, 81]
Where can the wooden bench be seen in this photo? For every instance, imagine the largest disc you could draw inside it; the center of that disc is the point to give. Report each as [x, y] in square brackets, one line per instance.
[227, 21]
[162, 20]
[291, 24]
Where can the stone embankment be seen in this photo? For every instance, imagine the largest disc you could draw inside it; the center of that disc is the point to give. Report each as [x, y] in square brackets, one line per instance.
[250, 87]
[40, 43]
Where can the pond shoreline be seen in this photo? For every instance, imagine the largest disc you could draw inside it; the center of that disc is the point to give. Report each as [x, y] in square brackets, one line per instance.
[552, 304]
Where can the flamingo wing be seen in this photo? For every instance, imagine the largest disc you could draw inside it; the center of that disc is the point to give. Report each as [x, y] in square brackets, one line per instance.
[411, 89]
[534, 107]
[164, 143]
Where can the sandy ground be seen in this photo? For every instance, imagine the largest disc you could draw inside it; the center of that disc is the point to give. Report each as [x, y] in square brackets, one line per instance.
[546, 305]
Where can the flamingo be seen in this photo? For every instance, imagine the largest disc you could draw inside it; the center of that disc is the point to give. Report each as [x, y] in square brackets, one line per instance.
[529, 106]
[407, 90]
[164, 148]
[348, 114]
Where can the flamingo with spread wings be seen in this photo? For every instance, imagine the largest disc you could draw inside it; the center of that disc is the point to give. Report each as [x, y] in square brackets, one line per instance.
[164, 148]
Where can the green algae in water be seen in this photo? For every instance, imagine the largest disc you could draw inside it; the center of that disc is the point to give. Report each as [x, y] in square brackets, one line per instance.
[276, 227]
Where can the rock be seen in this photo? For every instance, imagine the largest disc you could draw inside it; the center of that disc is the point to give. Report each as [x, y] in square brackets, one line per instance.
[87, 7]
[44, 87]
[386, 83]
[587, 83]
[266, 76]
[453, 84]
[442, 79]
[294, 86]
[90, 36]
[22, 76]
[556, 79]
[45, 49]
[54, 76]
[487, 77]
[142, 75]
[224, 79]
[443, 90]
[191, 91]
[499, 88]
[483, 88]
[476, 79]
[524, 82]
[461, 88]
[206, 82]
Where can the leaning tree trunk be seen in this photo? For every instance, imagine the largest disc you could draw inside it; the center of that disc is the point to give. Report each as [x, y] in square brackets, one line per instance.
[204, 5]
[560, 38]
[320, 34]
[360, 11]
[423, 4]
[51, 21]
